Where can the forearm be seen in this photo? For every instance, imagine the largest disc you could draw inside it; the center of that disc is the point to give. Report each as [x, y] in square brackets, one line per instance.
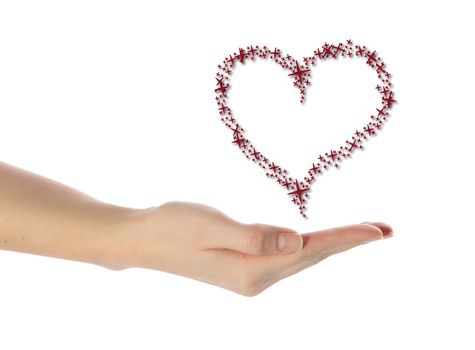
[41, 216]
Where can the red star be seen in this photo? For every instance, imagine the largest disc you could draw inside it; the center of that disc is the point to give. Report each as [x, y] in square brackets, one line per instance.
[298, 72]
[360, 51]
[371, 57]
[238, 141]
[273, 167]
[255, 154]
[315, 169]
[231, 59]
[298, 191]
[236, 130]
[381, 111]
[286, 184]
[369, 129]
[251, 50]
[241, 55]
[389, 100]
[223, 108]
[332, 155]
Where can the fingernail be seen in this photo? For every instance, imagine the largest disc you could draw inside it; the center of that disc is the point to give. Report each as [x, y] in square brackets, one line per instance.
[385, 229]
[287, 243]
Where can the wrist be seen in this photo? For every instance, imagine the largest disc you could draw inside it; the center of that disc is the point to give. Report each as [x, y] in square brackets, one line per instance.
[130, 239]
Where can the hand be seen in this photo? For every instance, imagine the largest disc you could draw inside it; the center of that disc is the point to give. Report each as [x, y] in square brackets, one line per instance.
[202, 243]
[42, 216]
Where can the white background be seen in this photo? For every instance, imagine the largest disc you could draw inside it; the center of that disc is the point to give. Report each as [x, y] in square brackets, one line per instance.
[115, 98]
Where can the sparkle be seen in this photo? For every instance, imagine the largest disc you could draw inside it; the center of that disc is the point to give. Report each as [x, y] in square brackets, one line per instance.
[301, 74]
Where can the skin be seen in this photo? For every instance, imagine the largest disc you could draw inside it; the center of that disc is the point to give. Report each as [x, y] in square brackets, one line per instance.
[41, 216]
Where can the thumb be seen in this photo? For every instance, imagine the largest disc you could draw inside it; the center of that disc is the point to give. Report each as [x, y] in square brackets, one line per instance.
[261, 239]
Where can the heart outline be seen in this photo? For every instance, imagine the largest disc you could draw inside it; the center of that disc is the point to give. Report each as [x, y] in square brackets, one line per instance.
[301, 73]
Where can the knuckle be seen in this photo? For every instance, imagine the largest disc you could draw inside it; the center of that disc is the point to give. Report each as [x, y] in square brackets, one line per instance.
[255, 242]
[170, 205]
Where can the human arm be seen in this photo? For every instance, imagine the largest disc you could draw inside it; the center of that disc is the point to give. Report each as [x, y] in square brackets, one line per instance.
[42, 216]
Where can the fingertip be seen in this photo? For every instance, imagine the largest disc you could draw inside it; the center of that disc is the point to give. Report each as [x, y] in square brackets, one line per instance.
[386, 229]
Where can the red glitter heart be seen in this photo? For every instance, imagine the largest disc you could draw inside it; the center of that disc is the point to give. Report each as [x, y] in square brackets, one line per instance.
[300, 73]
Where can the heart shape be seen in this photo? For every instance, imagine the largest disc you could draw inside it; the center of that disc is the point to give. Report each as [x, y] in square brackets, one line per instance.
[300, 73]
